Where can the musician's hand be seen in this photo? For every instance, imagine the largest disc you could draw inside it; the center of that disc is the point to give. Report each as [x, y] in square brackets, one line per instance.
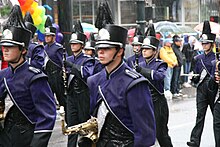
[138, 68]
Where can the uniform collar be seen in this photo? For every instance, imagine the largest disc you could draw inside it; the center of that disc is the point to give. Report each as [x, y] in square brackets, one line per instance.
[19, 67]
[51, 44]
[209, 54]
[77, 56]
[116, 71]
[151, 60]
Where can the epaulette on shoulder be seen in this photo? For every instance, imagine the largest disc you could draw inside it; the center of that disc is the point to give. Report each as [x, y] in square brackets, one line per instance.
[86, 56]
[34, 70]
[132, 74]
[59, 44]
[35, 43]
[96, 58]
[159, 60]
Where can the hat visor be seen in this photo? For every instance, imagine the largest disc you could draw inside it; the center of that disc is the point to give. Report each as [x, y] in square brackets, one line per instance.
[105, 46]
[75, 41]
[148, 47]
[206, 41]
[49, 33]
[10, 43]
[136, 43]
[89, 48]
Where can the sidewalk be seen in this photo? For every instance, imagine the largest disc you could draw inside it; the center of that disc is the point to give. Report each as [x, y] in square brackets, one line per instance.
[190, 92]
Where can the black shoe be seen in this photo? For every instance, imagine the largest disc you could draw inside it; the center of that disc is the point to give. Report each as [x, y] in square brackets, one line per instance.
[192, 144]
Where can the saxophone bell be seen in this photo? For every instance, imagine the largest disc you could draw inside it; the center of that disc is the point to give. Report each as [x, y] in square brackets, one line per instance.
[87, 129]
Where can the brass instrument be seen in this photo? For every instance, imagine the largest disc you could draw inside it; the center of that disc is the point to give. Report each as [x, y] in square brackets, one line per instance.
[87, 129]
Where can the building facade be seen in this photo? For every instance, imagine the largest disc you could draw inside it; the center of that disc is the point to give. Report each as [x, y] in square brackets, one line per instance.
[182, 12]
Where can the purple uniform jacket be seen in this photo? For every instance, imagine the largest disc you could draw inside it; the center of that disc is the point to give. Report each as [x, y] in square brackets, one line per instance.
[131, 60]
[98, 66]
[204, 61]
[35, 55]
[55, 53]
[128, 97]
[29, 91]
[86, 63]
[158, 71]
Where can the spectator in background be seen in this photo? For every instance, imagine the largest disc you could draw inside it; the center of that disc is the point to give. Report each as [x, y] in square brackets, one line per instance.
[168, 56]
[159, 36]
[3, 63]
[188, 49]
[175, 82]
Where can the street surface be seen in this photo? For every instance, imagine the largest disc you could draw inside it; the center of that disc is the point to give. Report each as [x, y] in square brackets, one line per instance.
[181, 121]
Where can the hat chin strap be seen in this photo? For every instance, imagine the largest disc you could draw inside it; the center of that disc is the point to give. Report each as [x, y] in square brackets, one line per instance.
[151, 57]
[112, 58]
[14, 62]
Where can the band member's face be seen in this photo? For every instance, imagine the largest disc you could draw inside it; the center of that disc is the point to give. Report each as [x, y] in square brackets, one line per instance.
[11, 53]
[49, 39]
[148, 52]
[136, 48]
[206, 46]
[105, 55]
[88, 52]
[75, 47]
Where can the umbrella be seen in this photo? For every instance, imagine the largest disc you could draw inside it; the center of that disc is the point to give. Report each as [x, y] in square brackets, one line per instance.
[186, 29]
[166, 26]
[215, 27]
[89, 27]
[170, 29]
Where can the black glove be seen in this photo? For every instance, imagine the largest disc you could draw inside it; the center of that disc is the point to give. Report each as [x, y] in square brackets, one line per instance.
[146, 72]
[195, 79]
[85, 142]
[75, 69]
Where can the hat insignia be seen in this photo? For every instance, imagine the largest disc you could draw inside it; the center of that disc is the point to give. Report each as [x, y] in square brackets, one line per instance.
[146, 41]
[204, 37]
[7, 34]
[47, 30]
[74, 36]
[104, 34]
[135, 39]
[88, 44]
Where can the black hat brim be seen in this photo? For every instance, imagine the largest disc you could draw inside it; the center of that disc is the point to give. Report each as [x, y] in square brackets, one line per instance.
[48, 34]
[10, 43]
[105, 46]
[76, 41]
[148, 47]
[206, 41]
[89, 48]
[136, 43]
